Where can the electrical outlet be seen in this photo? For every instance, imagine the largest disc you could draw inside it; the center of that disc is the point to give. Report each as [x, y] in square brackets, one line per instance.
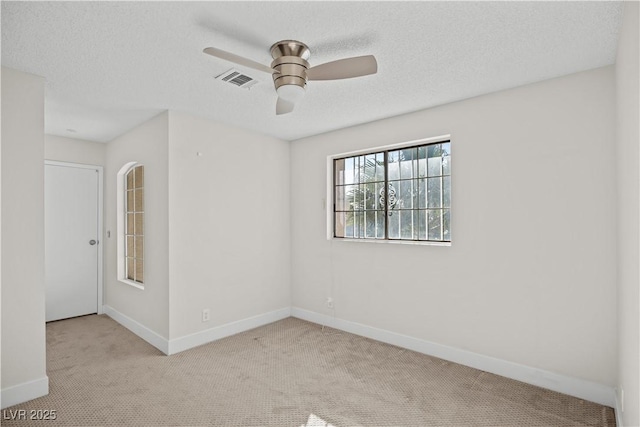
[330, 302]
[205, 315]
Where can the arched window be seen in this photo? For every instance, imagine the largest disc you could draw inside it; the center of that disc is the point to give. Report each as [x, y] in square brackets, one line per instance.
[131, 224]
[134, 224]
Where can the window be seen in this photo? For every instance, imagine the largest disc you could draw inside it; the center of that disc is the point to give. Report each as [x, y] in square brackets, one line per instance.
[399, 194]
[134, 224]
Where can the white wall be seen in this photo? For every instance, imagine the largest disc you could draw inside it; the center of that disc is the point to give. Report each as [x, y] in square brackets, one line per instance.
[146, 144]
[24, 375]
[228, 222]
[72, 150]
[217, 227]
[530, 275]
[628, 208]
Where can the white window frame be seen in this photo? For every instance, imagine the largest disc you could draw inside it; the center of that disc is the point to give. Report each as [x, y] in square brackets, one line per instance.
[328, 201]
[122, 223]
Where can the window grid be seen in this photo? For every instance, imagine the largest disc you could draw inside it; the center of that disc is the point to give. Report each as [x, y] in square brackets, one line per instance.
[134, 224]
[399, 194]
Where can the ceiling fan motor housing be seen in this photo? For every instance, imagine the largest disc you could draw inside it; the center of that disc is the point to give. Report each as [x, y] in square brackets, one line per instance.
[290, 62]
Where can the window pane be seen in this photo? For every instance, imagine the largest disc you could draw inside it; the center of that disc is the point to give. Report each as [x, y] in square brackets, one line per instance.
[435, 224]
[422, 225]
[406, 194]
[422, 193]
[370, 224]
[434, 150]
[407, 163]
[139, 177]
[130, 223]
[358, 169]
[358, 197]
[393, 166]
[350, 193]
[340, 199]
[380, 224]
[130, 269]
[434, 192]
[358, 224]
[370, 196]
[349, 221]
[406, 224]
[422, 161]
[446, 148]
[446, 159]
[139, 224]
[394, 225]
[381, 196]
[139, 247]
[340, 221]
[139, 200]
[446, 191]
[446, 224]
[338, 171]
[369, 168]
[380, 167]
[435, 166]
[130, 248]
[130, 201]
[348, 170]
[139, 270]
[130, 179]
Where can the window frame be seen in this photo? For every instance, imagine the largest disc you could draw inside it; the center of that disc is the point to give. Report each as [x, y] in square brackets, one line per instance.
[331, 192]
[134, 211]
[122, 225]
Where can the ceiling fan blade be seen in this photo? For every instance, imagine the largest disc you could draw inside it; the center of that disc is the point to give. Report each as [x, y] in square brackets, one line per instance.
[238, 60]
[344, 68]
[284, 106]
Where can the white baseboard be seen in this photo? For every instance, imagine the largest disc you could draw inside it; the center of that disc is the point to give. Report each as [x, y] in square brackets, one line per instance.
[186, 342]
[203, 337]
[576, 387]
[23, 392]
[139, 329]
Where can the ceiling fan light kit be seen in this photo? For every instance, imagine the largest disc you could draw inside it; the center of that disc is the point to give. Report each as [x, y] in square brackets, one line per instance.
[290, 79]
[290, 70]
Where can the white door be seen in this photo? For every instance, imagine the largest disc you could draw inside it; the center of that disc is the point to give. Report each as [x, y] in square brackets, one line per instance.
[71, 240]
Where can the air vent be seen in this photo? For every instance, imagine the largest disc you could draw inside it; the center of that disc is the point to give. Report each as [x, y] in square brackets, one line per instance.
[237, 78]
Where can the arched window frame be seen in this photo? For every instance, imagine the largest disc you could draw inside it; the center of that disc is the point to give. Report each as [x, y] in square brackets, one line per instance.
[130, 225]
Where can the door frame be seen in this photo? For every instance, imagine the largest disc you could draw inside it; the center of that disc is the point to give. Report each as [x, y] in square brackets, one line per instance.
[101, 239]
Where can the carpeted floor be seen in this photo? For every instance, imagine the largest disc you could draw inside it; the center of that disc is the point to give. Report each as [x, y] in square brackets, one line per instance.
[290, 373]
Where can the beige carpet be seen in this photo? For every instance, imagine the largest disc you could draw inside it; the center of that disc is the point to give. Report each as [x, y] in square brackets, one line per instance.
[290, 373]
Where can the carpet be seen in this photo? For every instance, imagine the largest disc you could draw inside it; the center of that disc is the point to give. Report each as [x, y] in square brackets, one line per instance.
[289, 373]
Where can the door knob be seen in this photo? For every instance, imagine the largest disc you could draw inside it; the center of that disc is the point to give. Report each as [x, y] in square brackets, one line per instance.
[92, 242]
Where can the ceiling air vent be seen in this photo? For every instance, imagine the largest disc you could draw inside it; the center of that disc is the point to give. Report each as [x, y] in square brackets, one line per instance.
[235, 77]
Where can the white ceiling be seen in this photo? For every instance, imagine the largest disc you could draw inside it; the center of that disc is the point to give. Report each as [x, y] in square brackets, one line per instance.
[111, 65]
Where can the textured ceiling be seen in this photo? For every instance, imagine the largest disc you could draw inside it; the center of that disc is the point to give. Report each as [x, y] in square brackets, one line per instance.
[111, 65]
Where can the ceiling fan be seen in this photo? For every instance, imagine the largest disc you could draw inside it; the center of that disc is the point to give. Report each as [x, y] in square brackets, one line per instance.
[291, 71]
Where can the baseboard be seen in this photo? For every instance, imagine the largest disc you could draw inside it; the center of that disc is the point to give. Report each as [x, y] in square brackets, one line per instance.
[203, 337]
[177, 345]
[576, 387]
[139, 329]
[23, 392]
